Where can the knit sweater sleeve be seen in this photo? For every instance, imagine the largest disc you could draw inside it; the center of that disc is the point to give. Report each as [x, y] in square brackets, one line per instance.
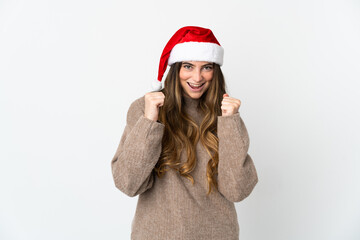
[237, 175]
[138, 152]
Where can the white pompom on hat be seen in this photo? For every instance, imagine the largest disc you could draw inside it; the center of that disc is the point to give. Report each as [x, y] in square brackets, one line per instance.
[189, 43]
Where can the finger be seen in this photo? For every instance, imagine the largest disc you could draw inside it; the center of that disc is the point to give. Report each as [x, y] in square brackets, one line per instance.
[225, 108]
[230, 101]
[158, 96]
[233, 100]
[226, 102]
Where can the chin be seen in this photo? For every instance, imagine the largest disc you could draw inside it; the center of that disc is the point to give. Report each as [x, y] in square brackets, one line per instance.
[195, 95]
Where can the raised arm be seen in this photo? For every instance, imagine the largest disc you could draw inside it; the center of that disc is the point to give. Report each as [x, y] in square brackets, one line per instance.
[138, 152]
[237, 175]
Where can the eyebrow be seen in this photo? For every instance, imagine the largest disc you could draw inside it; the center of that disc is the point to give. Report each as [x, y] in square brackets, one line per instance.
[201, 66]
[188, 63]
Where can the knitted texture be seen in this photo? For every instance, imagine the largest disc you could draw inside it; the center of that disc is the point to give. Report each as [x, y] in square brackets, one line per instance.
[171, 207]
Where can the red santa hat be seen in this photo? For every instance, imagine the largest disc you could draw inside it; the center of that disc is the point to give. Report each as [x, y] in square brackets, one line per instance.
[189, 44]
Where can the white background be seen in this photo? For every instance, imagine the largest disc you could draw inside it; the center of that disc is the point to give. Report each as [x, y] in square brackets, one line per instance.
[70, 69]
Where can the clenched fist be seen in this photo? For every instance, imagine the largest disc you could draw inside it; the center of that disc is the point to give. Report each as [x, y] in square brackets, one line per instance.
[229, 105]
[153, 100]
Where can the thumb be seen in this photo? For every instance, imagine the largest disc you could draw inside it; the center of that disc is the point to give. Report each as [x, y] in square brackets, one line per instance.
[225, 95]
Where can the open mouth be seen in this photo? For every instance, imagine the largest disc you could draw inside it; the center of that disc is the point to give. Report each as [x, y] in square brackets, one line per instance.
[196, 86]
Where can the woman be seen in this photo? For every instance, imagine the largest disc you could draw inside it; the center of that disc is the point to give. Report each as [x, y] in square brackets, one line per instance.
[184, 148]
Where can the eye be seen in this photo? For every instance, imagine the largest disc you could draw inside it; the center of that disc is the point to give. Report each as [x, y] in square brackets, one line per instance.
[208, 67]
[187, 66]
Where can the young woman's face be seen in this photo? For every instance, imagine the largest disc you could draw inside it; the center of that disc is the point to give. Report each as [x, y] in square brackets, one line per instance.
[195, 77]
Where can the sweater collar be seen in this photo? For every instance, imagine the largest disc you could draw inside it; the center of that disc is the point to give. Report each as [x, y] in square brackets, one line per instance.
[190, 102]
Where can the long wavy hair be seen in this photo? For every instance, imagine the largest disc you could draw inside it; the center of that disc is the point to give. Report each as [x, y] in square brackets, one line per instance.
[181, 131]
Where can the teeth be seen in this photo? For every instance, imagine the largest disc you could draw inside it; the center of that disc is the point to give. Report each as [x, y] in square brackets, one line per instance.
[195, 85]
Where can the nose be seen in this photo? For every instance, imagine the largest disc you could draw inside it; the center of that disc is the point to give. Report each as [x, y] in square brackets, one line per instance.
[197, 76]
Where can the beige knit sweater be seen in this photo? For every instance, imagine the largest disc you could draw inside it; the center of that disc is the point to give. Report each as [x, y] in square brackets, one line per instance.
[171, 208]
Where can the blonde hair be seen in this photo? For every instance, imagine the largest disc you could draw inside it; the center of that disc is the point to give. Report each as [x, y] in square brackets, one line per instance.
[181, 132]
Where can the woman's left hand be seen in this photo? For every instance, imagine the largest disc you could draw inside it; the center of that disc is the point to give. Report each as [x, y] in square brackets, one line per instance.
[229, 105]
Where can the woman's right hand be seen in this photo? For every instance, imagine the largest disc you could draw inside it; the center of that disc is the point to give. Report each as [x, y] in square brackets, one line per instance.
[153, 100]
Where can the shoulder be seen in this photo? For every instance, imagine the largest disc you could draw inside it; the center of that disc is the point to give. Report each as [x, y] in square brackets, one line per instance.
[138, 103]
[136, 109]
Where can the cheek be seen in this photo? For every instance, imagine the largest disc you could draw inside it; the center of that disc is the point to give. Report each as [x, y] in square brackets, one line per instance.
[209, 76]
[183, 75]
